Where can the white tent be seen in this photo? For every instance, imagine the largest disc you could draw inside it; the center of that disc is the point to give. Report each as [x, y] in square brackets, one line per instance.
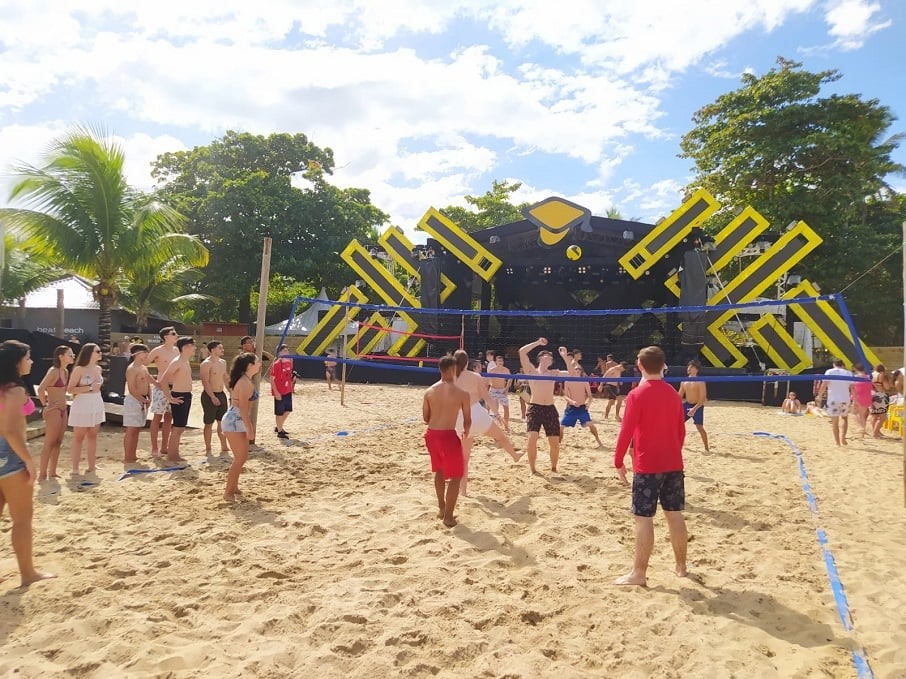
[304, 322]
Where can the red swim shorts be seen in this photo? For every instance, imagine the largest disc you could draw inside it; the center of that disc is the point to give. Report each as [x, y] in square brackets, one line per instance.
[445, 448]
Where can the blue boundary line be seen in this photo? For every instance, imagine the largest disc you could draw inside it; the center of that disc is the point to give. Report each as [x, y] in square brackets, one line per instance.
[860, 658]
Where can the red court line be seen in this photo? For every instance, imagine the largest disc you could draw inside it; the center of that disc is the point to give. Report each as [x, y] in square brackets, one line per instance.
[408, 334]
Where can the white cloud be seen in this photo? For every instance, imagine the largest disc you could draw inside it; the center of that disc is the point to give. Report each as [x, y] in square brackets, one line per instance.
[851, 22]
[419, 125]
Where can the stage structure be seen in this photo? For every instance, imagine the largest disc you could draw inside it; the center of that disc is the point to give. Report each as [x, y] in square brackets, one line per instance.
[561, 257]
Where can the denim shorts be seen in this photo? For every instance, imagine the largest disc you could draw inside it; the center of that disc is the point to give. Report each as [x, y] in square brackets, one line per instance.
[10, 463]
[232, 421]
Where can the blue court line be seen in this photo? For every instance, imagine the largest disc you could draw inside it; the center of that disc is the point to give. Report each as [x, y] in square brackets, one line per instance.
[860, 658]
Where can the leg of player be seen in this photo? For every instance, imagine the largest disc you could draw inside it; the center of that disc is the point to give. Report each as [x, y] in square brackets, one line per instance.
[503, 441]
[531, 450]
[644, 543]
[679, 538]
[594, 432]
[466, 454]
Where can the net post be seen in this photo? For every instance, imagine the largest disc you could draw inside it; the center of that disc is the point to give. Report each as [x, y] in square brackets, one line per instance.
[844, 313]
[343, 368]
[259, 329]
[902, 434]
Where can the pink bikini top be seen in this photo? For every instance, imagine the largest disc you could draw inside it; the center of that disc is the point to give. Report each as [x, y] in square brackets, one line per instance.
[28, 408]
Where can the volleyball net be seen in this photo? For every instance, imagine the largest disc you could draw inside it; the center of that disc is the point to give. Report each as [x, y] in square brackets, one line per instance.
[750, 341]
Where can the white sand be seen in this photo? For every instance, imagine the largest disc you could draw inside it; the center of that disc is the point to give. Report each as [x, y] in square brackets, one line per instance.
[337, 564]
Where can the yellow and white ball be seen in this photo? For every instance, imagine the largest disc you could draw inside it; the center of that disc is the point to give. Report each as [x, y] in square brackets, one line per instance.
[573, 252]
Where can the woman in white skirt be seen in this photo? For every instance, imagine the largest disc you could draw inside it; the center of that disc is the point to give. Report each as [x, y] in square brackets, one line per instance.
[87, 410]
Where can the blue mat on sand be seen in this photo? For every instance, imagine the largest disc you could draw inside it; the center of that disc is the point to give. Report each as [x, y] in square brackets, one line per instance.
[133, 472]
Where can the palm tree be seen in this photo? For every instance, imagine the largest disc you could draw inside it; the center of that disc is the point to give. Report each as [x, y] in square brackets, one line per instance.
[157, 285]
[78, 209]
[22, 272]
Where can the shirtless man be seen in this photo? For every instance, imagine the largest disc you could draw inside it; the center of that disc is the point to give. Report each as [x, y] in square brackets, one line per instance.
[499, 388]
[541, 411]
[611, 390]
[482, 423]
[442, 405]
[213, 371]
[694, 395]
[578, 397]
[176, 383]
[136, 401]
[160, 358]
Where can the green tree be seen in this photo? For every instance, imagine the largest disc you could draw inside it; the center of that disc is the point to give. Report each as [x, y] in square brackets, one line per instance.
[78, 210]
[778, 145]
[494, 208]
[242, 188]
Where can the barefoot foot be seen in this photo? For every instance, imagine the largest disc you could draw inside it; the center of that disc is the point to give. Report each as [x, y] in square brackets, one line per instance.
[517, 455]
[35, 577]
[632, 579]
[682, 572]
[449, 523]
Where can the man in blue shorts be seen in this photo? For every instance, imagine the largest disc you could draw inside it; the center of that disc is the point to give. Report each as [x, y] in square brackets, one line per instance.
[695, 395]
[655, 424]
[578, 396]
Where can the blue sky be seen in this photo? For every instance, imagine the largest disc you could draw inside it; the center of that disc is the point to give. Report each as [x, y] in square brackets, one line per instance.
[425, 101]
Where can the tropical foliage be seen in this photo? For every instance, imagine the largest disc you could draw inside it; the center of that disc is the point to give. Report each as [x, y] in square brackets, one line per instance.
[77, 209]
[494, 208]
[780, 146]
[242, 188]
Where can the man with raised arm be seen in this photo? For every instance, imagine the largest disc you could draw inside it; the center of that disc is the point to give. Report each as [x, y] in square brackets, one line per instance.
[541, 411]
[655, 423]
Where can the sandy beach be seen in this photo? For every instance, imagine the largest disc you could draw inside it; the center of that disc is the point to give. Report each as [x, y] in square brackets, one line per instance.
[335, 562]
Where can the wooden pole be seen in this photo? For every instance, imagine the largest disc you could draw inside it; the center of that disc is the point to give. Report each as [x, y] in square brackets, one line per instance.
[262, 315]
[903, 434]
[343, 354]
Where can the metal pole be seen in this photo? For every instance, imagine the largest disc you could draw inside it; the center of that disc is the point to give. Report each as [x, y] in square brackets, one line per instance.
[262, 315]
[61, 314]
[902, 434]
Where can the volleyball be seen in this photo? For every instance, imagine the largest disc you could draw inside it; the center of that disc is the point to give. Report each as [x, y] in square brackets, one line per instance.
[573, 252]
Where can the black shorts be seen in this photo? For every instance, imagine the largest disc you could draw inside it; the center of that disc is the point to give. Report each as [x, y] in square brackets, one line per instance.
[609, 391]
[542, 416]
[647, 489]
[284, 404]
[625, 388]
[213, 413]
[180, 411]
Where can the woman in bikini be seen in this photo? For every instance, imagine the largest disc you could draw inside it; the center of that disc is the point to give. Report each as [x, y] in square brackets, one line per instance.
[237, 423]
[52, 394]
[882, 386]
[482, 420]
[87, 411]
[17, 469]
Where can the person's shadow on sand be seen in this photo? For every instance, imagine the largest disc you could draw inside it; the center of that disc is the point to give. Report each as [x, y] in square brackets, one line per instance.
[486, 542]
[756, 609]
[11, 613]
[519, 511]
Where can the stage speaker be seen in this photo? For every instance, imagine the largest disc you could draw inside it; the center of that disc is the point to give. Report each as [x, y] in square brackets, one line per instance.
[693, 292]
[429, 275]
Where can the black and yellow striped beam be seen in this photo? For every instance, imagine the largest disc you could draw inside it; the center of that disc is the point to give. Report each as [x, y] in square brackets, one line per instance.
[400, 248]
[468, 250]
[668, 233]
[332, 323]
[828, 325]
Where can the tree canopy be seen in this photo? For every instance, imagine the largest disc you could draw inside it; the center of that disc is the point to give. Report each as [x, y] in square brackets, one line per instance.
[778, 145]
[242, 188]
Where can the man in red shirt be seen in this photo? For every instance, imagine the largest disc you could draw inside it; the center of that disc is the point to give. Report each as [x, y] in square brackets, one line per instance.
[282, 388]
[654, 422]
